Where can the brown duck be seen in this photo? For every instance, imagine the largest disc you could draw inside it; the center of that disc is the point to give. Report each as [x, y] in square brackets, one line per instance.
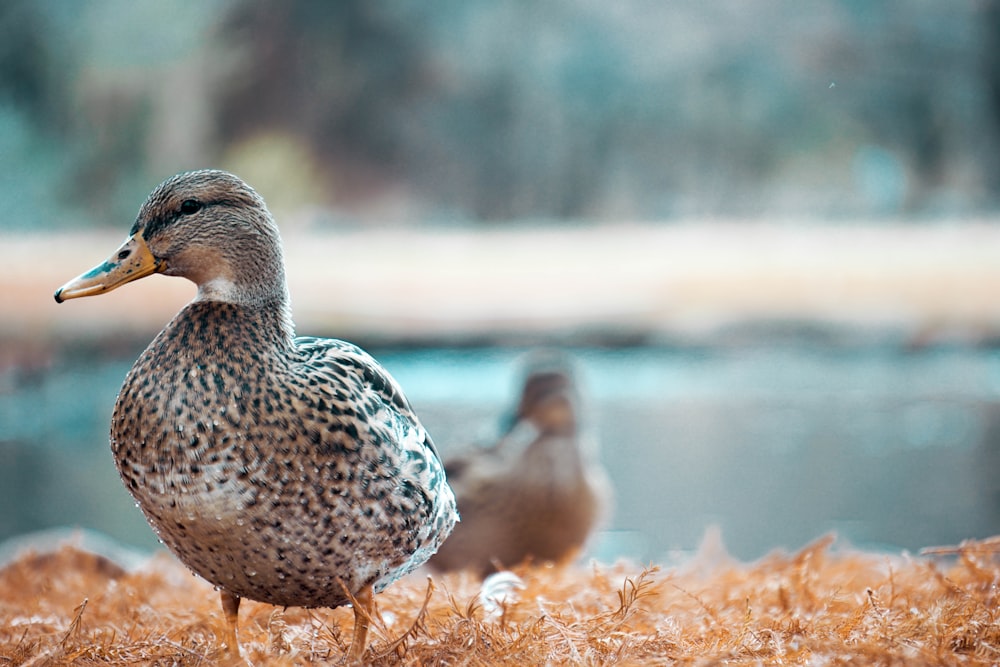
[538, 493]
[286, 470]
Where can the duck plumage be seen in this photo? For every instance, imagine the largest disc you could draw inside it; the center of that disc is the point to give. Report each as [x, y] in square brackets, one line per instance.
[286, 470]
[539, 492]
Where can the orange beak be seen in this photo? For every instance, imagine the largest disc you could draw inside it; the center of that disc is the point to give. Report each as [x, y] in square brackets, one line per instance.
[131, 261]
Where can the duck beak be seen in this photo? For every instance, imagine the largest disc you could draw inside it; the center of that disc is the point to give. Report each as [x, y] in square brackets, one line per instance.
[131, 261]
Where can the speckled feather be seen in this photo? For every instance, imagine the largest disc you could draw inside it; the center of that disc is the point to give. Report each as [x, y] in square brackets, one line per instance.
[274, 467]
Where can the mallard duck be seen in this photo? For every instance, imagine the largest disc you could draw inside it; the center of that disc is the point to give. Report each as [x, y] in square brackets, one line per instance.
[286, 470]
[539, 492]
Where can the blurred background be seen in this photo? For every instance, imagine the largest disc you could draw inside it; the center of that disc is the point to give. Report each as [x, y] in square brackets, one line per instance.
[767, 233]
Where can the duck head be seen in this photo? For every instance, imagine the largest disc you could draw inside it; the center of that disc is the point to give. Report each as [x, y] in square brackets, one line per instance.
[207, 226]
[549, 401]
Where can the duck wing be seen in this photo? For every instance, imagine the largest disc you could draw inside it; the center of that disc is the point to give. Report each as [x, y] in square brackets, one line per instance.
[356, 382]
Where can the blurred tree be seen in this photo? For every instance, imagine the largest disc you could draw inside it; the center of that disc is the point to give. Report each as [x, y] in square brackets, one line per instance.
[583, 109]
[479, 110]
[35, 116]
[336, 74]
[30, 75]
[989, 70]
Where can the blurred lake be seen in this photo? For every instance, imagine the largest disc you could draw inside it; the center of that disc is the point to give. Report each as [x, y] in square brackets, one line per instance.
[775, 443]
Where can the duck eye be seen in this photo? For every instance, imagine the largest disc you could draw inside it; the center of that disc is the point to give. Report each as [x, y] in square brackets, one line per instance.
[190, 206]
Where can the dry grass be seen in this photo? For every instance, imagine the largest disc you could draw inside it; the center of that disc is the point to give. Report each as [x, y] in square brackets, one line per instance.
[818, 606]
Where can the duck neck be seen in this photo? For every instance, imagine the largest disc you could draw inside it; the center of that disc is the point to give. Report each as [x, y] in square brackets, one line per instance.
[265, 295]
[235, 326]
[251, 291]
[248, 269]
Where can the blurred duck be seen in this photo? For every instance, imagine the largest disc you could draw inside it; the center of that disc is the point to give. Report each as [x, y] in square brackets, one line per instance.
[538, 493]
[286, 470]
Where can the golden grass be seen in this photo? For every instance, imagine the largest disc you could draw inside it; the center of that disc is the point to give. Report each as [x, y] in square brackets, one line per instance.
[821, 605]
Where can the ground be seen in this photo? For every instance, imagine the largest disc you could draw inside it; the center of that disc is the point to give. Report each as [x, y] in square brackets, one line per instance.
[822, 605]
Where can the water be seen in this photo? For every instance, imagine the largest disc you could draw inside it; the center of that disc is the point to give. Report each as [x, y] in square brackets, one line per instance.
[776, 445]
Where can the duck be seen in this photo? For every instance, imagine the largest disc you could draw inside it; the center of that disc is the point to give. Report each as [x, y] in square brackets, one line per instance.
[283, 469]
[539, 492]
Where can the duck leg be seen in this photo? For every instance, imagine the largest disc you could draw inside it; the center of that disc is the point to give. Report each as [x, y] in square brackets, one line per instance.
[364, 608]
[231, 610]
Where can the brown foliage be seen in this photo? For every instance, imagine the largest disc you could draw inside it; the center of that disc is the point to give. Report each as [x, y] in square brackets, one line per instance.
[821, 604]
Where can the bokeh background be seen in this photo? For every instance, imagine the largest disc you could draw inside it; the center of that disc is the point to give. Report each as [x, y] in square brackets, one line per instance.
[766, 232]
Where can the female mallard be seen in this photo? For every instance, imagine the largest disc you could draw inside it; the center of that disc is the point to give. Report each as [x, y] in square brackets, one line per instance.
[286, 470]
[539, 492]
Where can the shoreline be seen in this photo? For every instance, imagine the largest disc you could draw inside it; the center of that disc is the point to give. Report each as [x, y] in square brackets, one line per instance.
[625, 282]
